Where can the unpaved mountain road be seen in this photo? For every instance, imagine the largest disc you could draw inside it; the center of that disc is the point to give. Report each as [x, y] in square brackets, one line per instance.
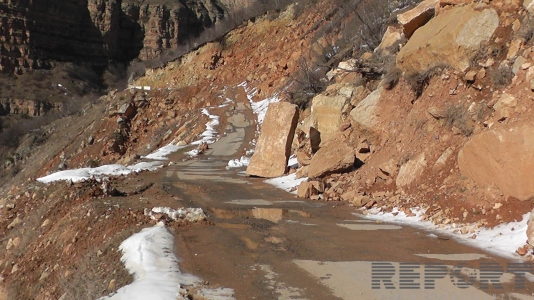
[267, 244]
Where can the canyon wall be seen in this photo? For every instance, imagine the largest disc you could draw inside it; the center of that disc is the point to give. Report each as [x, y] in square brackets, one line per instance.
[30, 108]
[34, 34]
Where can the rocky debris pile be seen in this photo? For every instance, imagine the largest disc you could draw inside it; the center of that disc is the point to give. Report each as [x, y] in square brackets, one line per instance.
[191, 215]
[443, 129]
[97, 188]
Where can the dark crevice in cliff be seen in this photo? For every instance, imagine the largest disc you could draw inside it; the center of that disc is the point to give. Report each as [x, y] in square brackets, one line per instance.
[130, 41]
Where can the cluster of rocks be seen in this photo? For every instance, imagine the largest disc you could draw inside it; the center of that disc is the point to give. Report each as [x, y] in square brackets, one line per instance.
[340, 142]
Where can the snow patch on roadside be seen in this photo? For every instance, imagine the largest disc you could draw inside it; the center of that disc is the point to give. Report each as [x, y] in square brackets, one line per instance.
[99, 172]
[286, 183]
[502, 240]
[161, 153]
[148, 255]
[238, 163]
[260, 107]
[293, 162]
[210, 134]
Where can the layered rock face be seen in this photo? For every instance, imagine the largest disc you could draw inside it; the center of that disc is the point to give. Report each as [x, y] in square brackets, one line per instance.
[27, 107]
[34, 33]
[167, 26]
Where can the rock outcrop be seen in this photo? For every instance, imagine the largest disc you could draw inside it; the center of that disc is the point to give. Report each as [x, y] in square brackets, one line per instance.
[502, 157]
[452, 38]
[274, 144]
[33, 34]
[167, 26]
[27, 107]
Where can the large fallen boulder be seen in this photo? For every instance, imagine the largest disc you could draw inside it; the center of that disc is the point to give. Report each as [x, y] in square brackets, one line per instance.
[366, 111]
[417, 17]
[334, 157]
[452, 38]
[327, 113]
[503, 157]
[274, 144]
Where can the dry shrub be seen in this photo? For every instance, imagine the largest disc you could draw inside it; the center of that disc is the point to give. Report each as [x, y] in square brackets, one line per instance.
[458, 116]
[419, 81]
[309, 81]
[502, 76]
[392, 76]
[527, 28]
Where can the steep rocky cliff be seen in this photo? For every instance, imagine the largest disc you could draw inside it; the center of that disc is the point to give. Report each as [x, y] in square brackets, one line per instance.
[165, 26]
[34, 34]
[27, 107]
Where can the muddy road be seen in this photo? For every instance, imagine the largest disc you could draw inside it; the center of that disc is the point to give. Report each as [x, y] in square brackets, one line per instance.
[267, 244]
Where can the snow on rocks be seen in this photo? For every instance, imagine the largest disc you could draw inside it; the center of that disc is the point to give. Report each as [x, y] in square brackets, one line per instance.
[149, 256]
[502, 240]
[182, 214]
[76, 175]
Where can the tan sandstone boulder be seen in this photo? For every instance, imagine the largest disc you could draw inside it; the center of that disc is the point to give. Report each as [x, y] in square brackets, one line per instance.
[530, 229]
[452, 38]
[529, 6]
[335, 156]
[327, 113]
[504, 107]
[417, 17]
[411, 170]
[503, 157]
[274, 144]
[366, 111]
[391, 37]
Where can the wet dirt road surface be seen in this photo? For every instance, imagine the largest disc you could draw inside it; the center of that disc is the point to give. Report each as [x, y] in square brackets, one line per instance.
[267, 244]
